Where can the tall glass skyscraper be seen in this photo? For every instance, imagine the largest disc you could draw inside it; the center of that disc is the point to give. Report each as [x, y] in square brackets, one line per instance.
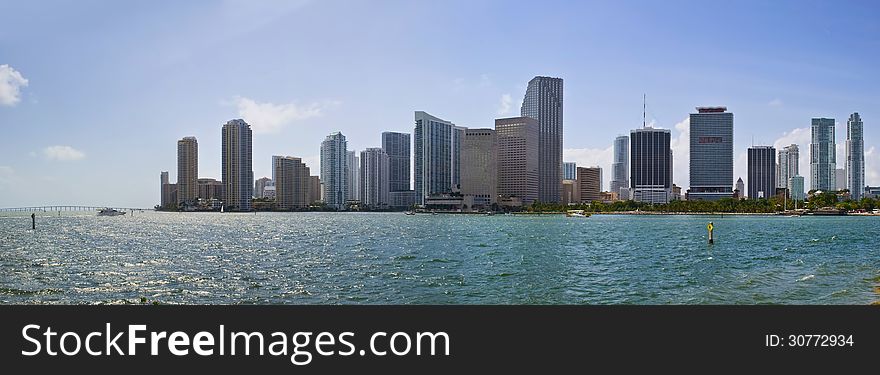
[237, 165]
[437, 145]
[543, 102]
[711, 154]
[823, 156]
[397, 146]
[334, 172]
[651, 165]
[187, 171]
[569, 170]
[620, 166]
[855, 157]
[762, 172]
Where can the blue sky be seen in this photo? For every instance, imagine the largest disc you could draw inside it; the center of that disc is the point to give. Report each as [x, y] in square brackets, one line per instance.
[95, 94]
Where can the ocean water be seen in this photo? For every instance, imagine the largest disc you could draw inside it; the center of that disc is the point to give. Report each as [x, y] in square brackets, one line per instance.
[391, 258]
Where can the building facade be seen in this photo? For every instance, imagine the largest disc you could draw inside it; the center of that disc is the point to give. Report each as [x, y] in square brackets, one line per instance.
[210, 189]
[762, 172]
[237, 165]
[620, 166]
[314, 189]
[435, 156]
[788, 165]
[352, 172]
[711, 154]
[374, 178]
[650, 165]
[589, 184]
[543, 102]
[740, 189]
[261, 183]
[397, 146]
[334, 171]
[518, 139]
[569, 170]
[479, 173]
[187, 171]
[823, 156]
[292, 183]
[796, 188]
[855, 157]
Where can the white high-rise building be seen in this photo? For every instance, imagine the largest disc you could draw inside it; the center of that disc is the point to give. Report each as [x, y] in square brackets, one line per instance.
[374, 178]
[788, 165]
[437, 150]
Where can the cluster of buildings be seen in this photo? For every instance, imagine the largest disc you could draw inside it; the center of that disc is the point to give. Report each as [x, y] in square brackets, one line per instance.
[515, 163]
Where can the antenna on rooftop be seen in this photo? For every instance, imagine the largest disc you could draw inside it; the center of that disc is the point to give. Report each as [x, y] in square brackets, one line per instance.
[644, 122]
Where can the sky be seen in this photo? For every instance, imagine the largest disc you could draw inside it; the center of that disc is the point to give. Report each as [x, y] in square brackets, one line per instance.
[95, 94]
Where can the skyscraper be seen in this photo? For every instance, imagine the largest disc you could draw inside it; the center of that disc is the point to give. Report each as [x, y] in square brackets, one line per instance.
[237, 165]
[292, 184]
[314, 189]
[796, 188]
[651, 165]
[187, 171]
[788, 165]
[435, 156]
[569, 170]
[457, 140]
[855, 157]
[589, 182]
[711, 154]
[165, 191]
[374, 178]
[620, 167]
[762, 172]
[543, 102]
[352, 172]
[518, 139]
[261, 183]
[479, 174]
[740, 188]
[823, 157]
[334, 176]
[397, 146]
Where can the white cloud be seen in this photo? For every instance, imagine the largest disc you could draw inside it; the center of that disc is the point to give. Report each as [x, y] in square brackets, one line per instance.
[681, 153]
[504, 104]
[63, 153]
[11, 82]
[775, 103]
[267, 118]
[590, 157]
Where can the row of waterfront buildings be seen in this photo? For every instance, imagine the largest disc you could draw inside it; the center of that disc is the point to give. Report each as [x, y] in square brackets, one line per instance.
[515, 163]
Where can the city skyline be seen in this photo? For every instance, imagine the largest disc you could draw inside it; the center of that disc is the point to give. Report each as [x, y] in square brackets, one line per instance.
[136, 102]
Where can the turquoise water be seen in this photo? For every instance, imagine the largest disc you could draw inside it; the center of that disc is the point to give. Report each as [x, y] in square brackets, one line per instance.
[391, 258]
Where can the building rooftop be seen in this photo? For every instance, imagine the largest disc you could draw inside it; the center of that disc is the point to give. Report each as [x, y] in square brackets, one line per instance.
[711, 109]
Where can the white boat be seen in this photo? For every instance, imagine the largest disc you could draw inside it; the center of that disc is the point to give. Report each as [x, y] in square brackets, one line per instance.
[576, 213]
[110, 212]
[409, 213]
